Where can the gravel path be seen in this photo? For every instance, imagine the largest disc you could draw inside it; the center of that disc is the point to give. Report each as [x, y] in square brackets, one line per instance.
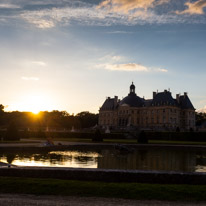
[32, 200]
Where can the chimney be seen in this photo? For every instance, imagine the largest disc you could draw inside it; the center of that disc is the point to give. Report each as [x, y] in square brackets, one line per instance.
[154, 94]
[178, 98]
[115, 100]
[185, 94]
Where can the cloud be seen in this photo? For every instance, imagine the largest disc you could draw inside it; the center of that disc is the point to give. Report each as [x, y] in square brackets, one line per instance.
[203, 110]
[39, 63]
[92, 15]
[119, 32]
[194, 8]
[161, 70]
[9, 6]
[49, 14]
[130, 6]
[130, 67]
[30, 78]
[126, 67]
[112, 58]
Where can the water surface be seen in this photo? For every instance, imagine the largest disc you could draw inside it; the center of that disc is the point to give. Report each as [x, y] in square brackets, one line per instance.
[117, 158]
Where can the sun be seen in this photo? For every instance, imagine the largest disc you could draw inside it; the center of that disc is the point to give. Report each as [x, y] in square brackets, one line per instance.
[35, 103]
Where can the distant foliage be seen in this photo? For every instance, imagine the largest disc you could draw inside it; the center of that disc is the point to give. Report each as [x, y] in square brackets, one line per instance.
[1, 108]
[200, 118]
[55, 119]
[12, 133]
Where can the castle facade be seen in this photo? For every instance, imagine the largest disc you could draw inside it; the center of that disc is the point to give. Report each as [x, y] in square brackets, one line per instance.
[162, 112]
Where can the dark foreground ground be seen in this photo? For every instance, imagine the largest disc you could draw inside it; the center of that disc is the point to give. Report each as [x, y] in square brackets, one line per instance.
[32, 200]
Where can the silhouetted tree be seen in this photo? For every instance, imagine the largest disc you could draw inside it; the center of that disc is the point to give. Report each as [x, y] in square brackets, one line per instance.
[12, 133]
[1, 114]
[87, 119]
[200, 118]
[1, 108]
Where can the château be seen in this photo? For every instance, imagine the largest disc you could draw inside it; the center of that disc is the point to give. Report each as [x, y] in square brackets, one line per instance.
[162, 112]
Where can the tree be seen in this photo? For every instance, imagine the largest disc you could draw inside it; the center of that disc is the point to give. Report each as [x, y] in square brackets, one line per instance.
[200, 118]
[87, 119]
[1, 114]
[12, 133]
[1, 108]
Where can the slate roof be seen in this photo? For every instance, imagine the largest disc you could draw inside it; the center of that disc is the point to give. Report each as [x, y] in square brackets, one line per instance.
[108, 104]
[132, 100]
[163, 98]
[160, 99]
[185, 102]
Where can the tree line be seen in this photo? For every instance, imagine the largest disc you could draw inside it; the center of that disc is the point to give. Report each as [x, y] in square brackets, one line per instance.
[58, 119]
[54, 119]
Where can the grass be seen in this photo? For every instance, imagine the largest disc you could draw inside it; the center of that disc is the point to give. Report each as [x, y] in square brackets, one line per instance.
[102, 189]
[120, 141]
[134, 141]
[125, 141]
[19, 142]
[176, 142]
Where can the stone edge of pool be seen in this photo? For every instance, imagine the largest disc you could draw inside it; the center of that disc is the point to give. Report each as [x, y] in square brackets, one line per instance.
[106, 175]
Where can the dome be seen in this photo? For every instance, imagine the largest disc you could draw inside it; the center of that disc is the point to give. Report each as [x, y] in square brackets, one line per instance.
[132, 100]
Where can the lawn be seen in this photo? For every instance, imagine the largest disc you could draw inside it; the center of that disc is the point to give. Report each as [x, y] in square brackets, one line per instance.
[102, 189]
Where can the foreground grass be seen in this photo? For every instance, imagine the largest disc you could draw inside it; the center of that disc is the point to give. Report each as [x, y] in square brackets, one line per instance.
[101, 189]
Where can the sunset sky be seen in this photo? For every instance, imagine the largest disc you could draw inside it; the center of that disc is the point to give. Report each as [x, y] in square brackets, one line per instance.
[70, 55]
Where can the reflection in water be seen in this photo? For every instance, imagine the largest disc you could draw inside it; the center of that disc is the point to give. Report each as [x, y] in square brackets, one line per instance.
[55, 159]
[135, 159]
[10, 157]
[164, 160]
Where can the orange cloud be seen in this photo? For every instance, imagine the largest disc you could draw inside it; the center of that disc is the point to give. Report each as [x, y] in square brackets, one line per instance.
[194, 8]
[130, 67]
[127, 67]
[127, 6]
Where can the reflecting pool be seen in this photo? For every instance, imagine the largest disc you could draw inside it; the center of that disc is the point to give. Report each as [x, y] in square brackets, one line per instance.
[116, 158]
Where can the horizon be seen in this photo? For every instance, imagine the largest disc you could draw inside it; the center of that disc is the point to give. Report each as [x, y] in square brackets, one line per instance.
[71, 55]
[36, 111]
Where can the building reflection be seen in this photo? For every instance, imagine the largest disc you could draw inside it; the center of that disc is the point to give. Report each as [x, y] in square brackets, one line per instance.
[163, 160]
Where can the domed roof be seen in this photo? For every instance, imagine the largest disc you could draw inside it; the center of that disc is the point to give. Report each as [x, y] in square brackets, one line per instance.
[132, 100]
